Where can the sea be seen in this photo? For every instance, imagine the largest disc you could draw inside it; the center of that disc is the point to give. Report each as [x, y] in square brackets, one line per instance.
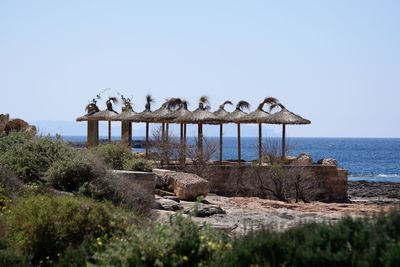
[369, 159]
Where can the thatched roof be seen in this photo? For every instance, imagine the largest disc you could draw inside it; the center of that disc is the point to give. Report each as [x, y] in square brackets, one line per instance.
[221, 113]
[238, 115]
[127, 114]
[285, 116]
[257, 116]
[182, 111]
[198, 116]
[104, 115]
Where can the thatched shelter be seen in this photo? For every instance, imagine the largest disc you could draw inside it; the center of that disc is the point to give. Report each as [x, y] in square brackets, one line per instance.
[260, 116]
[199, 116]
[181, 112]
[285, 117]
[238, 116]
[223, 115]
[146, 117]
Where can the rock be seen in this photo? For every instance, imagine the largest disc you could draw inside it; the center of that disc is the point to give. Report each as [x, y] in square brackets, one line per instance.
[168, 204]
[303, 159]
[16, 125]
[187, 186]
[207, 211]
[4, 118]
[30, 130]
[161, 178]
[328, 162]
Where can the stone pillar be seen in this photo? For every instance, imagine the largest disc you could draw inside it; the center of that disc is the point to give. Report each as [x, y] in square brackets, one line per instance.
[126, 133]
[93, 134]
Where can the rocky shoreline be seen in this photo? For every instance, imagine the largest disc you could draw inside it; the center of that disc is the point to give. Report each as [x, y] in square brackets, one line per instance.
[239, 215]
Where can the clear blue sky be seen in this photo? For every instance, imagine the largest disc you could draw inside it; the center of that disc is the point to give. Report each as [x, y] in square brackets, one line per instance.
[336, 63]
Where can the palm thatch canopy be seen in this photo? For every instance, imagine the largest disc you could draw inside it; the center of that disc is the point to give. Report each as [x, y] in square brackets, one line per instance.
[182, 111]
[222, 114]
[158, 115]
[285, 116]
[198, 116]
[238, 115]
[127, 115]
[257, 116]
[104, 115]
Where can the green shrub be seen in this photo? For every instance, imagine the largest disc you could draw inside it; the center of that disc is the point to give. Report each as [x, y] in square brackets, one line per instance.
[350, 242]
[180, 243]
[44, 227]
[114, 154]
[13, 139]
[70, 173]
[138, 165]
[29, 159]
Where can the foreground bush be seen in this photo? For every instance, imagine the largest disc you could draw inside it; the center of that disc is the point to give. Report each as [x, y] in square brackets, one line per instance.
[29, 158]
[350, 242]
[114, 154]
[43, 227]
[180, 243]
[138, 165]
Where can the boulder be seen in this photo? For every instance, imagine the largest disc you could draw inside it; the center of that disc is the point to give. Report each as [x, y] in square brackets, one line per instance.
[16, 125]
[4, 118]
[303, 159]
[328, 162]
[186, 186]
[161, 178]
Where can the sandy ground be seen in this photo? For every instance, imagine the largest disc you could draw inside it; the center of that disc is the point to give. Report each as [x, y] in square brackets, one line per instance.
[251, 213]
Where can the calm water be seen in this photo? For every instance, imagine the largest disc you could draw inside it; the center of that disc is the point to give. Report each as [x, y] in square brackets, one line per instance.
[366, 158]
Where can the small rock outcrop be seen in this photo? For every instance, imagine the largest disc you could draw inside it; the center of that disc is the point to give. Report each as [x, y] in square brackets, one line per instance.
[328, 162]
[186, 186]
[208, 211]
[8, 125]
[4, 118]
[168, 204]
[302, 159]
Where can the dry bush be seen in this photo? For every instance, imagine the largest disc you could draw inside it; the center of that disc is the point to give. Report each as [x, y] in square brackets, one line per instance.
[281, 183]
[272, 151]
[200, 166]
[164, 148]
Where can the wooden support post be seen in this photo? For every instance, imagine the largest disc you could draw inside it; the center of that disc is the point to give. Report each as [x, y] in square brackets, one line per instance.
[220, 142]
[167, 132]
[147, 140]
[283, 140]
[184, 143]
[200, 142]
[239, 146]
[260, 143]
[109, 131]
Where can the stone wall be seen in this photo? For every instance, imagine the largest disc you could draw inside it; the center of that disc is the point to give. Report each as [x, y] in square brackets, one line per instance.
[329, 182]
[143, 180]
